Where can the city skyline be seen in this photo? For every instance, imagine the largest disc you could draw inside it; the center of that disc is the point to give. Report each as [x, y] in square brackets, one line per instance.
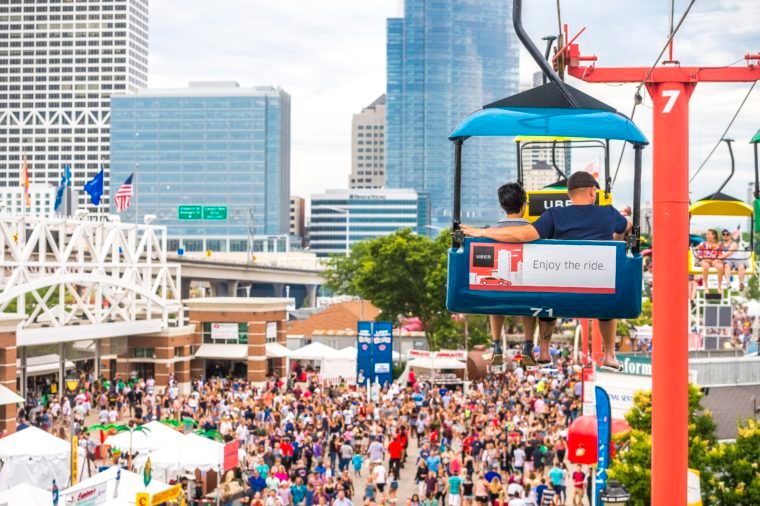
[337, 64]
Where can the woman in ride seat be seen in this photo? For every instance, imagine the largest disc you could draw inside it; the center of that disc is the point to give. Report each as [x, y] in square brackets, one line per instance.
[732, 258]
[708, 253]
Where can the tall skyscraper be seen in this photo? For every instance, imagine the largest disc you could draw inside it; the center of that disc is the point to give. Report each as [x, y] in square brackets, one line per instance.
[368, 146]
[60, 61]
[446, 59]
[212, 145]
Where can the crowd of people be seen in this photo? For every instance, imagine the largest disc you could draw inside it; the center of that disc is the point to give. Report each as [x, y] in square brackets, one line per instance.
[306, 443]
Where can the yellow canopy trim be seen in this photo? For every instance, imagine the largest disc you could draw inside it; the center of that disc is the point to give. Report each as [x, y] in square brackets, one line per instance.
[720, 208]
[538, 138]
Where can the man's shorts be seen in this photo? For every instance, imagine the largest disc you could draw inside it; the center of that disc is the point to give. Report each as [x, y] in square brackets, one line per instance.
[454, 499]
[735, 263]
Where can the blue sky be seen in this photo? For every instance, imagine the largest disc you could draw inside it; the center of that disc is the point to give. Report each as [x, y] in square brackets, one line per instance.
[330, 56]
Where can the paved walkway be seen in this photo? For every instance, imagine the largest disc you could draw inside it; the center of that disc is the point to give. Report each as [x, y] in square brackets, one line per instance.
[406, 485]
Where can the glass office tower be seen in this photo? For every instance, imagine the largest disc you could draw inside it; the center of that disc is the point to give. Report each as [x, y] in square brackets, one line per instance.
[446, 59]
[209, 146]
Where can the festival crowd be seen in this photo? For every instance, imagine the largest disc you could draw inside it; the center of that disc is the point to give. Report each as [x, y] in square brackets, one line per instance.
[309, 443]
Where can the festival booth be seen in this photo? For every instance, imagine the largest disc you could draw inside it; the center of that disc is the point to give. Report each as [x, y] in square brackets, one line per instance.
[436, 367]
[156, 435]
[185, 455]
[117, 487]
[24, 494]
[36, 457]
[341, 366]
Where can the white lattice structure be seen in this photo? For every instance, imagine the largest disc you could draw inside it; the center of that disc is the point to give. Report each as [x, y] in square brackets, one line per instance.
[83, 279]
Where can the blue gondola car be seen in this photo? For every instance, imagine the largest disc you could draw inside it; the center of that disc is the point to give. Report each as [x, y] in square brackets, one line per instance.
[583, 279]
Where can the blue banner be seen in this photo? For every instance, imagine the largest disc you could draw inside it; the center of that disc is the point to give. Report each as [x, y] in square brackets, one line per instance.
[364, 352]
[604, 440]
[382, 352]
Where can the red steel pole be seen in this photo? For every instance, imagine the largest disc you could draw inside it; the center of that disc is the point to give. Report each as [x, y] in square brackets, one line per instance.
[584, 341]
[670, 403]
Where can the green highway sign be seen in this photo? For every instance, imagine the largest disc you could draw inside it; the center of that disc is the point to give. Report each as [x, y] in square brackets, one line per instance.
[190, 212]
[214, 212]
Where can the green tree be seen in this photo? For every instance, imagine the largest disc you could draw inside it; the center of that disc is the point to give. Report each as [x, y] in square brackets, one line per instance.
[753, 287]
[403, 274]
[632, 466]
[736, 478]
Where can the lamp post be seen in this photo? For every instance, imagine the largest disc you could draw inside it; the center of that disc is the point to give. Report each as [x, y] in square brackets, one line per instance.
[343, 210]
[614, 493]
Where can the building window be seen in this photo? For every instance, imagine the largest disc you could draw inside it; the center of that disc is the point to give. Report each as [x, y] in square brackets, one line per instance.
[144, 352]
[178, 351]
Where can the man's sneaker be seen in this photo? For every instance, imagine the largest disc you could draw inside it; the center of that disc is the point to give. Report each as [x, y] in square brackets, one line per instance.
[497, 359]
[527, 357]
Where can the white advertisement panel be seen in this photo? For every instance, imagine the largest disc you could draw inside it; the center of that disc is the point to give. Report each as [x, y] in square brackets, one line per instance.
[224, 331]
[543, 267]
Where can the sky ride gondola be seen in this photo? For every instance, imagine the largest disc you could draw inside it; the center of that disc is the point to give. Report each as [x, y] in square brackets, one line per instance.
[720, 204]
[547, 278]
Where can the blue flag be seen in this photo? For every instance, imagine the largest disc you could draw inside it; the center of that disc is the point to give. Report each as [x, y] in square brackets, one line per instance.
[94, 187]
[65, 182]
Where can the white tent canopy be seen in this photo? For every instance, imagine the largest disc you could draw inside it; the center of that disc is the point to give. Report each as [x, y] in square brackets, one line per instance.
[333, 364]
[435, 364]
[313, 351]
[8, 396]
[36, 457]
[157, 436]
[186, 455]
[119, 492]
[24, 494]
[276, 350]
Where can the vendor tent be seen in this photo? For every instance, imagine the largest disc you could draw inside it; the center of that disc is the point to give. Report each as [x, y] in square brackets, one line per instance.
[112, 487]
[341, 365]
[24, 494]
[36, 457]
[186, 455]
[435, 364]
[314, 351]
[8, 396]
[155, 436]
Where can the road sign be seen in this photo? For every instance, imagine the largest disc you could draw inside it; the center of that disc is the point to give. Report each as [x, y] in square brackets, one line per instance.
[190, 212]
[214, 212]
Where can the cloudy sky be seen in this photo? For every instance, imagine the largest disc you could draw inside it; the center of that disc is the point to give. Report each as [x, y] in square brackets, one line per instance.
[330, 56]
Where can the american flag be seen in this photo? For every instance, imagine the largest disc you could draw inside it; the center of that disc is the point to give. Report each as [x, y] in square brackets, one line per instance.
[123, 197]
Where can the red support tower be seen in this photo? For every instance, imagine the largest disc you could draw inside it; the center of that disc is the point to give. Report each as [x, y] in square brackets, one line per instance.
[670, 86]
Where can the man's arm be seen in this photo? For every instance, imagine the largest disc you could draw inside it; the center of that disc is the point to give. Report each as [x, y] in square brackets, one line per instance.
[523, 233]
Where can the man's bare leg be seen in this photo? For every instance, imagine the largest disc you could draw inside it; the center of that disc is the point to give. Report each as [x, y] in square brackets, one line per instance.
[497, 325]
[545, 332]
[608, 330]
[529, 326]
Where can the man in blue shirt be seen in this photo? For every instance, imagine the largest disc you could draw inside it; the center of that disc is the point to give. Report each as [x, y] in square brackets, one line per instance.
[582, 220]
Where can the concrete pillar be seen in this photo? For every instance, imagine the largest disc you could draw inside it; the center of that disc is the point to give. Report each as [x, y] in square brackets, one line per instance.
[279, 289]
[8, 325]
[24, 376]
[185, 289]
[311, 295]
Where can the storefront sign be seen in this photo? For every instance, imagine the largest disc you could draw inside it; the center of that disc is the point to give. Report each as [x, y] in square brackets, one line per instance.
[453, 354]
[231, 457]
[88, 497]
[543, 267]
[224, 331]
[170, 494]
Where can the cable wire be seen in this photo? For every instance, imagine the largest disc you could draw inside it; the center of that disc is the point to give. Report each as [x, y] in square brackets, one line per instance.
[723, 135]
[637, 98]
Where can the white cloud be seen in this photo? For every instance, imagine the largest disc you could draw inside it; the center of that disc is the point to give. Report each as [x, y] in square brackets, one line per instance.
[330, 56]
